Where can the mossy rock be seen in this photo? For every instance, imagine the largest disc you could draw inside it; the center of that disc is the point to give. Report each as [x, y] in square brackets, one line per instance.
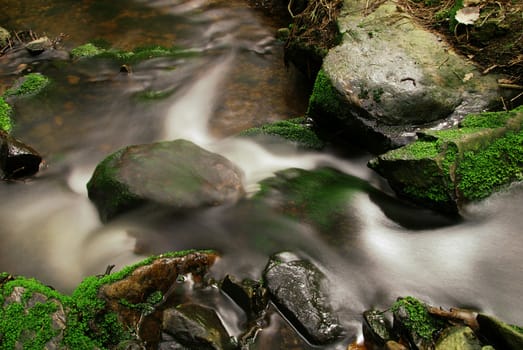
[30, 84]
[127, 57]
[295, 130]
[6, 123]
[176, 174]
[446, 169]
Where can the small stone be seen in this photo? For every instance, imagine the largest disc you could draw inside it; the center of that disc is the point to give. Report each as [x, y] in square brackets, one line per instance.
[39, 45]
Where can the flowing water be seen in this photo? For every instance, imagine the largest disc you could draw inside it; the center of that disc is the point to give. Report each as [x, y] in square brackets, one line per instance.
[234, 79]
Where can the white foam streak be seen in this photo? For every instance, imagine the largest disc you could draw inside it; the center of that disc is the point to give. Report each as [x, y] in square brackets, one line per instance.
[188, 117]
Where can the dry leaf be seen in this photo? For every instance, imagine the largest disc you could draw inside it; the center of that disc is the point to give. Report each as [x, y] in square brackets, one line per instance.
[467, 15]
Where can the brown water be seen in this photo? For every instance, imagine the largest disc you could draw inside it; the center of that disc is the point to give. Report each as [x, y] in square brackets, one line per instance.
[382, 249]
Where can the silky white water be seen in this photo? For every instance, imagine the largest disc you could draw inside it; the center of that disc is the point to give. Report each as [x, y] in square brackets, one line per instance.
[385, 249]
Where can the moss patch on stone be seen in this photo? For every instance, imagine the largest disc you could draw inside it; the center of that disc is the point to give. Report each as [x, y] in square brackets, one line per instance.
[325, 95]
[129, 57]
[31, 84]
[463, 164]
[318, 197]
[6, 123]
[294, 130]
[418, 320]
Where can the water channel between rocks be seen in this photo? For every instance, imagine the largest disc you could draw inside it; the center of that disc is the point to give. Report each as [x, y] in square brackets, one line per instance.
[237, 79]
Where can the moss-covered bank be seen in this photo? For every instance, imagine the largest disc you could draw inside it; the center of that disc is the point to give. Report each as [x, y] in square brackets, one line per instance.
[34, 316]
[447, 168]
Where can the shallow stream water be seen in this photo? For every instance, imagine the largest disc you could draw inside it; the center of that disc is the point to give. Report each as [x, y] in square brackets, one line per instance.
[234, 80]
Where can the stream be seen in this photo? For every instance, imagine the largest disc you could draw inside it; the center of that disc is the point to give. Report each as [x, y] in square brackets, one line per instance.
[235, 79]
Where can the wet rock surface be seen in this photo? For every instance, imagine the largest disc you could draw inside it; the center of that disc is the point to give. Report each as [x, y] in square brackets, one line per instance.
[378, 89]
[17, 160]
[177, 174]
[297, 287]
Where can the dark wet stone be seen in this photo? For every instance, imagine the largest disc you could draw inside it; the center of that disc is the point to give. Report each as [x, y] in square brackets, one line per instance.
[297, 288]
[500, 334]
[177, 174]
[196, 327]
[250, 295]
[17, 160]
[376, 328]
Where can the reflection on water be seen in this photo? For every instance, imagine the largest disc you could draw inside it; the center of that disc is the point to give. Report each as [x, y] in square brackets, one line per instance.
[383, 247]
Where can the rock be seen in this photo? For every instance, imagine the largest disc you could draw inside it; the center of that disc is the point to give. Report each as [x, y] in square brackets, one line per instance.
[4, 37]
[500, 334]
[374, 90]
[414, 324]
[392, 345]
[177, 174]
[376, 328]
[39, 45]
[297, 287]
[17, 160]
[458, 338]
[31, 315]
[150, 284]
[445, 169]
[250, 295]
[196, 327]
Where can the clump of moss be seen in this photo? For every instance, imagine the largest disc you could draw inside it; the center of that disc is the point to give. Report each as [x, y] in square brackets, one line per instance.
[31, 84]
[137, 55]
[325, 95]
[86, 50]
[32, 324]
[6, 123]
[416, 318]
[318, 197]
[294, 130]
[480, 173]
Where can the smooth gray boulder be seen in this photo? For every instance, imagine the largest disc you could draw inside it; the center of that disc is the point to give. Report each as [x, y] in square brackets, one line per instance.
[389, 75]
[176, 174]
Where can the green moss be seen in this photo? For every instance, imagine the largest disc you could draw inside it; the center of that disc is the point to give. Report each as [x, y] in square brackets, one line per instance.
[293, 130]
[6, 124]
[481, 173]
[490, 119]
[31, 325]
[318, 196]
[416, 150]
[419, 320]
[129, 57]
[31, 84]
[325, 95]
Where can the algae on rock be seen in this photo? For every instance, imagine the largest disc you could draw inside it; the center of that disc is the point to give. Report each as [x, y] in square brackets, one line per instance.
[445, 169]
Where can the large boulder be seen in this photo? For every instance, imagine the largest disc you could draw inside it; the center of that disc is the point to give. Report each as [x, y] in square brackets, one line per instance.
[178, 174]
[446, 169]
[388, 76]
